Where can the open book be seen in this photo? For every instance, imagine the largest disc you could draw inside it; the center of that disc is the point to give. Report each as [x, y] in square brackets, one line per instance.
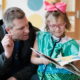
[63, 62]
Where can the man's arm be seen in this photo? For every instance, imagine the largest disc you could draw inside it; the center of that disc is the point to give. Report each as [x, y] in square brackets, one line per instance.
[4, 63]
[6, 49]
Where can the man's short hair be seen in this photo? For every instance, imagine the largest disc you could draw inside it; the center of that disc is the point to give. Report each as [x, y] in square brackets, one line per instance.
[11, 14]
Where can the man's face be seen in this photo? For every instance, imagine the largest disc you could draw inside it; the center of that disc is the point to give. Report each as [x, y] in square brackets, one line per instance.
[20, 31]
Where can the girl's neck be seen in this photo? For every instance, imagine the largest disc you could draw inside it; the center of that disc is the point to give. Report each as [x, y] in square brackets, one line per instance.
[56, 38]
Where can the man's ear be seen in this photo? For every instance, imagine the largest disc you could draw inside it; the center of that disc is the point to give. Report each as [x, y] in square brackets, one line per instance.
[7, 29]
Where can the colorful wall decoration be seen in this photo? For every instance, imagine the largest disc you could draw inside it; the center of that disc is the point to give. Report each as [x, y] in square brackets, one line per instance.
[34, 10]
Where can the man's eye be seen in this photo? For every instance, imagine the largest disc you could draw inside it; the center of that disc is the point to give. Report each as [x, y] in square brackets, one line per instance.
[21, 28]
[27, 26]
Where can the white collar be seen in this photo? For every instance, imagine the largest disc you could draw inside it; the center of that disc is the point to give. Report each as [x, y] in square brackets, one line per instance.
[55, 38]
[63, 40]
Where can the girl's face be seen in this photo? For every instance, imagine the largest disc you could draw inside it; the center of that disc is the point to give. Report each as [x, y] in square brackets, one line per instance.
[56, 26]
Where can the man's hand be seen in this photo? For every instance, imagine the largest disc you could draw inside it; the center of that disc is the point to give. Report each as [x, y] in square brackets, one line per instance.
[8, 45]
[12, 78]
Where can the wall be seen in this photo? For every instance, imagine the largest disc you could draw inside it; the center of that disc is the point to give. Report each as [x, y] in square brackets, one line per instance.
[0, 9]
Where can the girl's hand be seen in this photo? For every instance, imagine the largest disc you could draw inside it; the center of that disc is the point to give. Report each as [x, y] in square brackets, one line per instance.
[45, 61]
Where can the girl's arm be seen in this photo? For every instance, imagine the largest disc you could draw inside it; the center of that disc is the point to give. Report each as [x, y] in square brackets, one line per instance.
[37, 59]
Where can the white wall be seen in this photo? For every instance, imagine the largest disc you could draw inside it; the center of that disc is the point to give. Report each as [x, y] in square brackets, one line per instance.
[0, 9]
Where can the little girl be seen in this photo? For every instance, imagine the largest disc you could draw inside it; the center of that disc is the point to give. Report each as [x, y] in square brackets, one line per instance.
[54, 43]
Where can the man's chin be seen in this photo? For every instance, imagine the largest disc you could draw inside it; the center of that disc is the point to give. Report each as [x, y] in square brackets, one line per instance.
[25, 38]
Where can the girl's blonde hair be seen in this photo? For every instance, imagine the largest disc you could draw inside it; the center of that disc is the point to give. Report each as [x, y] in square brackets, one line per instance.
[57, 14]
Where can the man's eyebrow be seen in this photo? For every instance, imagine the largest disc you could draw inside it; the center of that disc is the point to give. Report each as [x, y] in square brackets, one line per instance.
[23, 26]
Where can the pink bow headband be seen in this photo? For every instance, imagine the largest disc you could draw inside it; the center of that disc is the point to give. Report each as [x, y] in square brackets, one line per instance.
[61, 6]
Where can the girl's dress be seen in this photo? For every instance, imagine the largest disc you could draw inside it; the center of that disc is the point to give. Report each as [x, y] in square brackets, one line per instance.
[65, 47]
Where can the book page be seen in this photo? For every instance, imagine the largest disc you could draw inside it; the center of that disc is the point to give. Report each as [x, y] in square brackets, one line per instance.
[66, 60]
[59, 61]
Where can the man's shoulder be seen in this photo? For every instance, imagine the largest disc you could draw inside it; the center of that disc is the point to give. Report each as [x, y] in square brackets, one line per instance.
[33, 28]
[1, 21]
[32, 34]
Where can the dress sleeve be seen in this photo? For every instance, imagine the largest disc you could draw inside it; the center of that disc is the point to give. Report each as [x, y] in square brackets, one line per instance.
[70, 48]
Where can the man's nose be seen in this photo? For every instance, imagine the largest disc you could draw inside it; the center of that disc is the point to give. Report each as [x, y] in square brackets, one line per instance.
[26, 30]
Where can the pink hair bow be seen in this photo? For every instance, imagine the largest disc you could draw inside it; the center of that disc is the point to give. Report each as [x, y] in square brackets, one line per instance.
[55, 7]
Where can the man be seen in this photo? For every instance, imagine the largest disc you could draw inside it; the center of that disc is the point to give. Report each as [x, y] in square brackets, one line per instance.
[15, 47]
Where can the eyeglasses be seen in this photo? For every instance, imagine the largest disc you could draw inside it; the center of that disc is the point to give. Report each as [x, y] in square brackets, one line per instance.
[57, 25]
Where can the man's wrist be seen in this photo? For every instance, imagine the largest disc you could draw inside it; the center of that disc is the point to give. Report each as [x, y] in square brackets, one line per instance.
[7, 55]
